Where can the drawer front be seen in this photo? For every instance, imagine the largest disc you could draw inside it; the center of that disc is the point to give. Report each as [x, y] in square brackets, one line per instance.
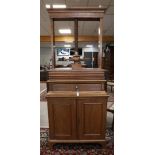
[61, 87]
[89, 87]
[72, 87]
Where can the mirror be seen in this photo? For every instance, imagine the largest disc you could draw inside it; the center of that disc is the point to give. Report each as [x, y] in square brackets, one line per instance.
[87, 43]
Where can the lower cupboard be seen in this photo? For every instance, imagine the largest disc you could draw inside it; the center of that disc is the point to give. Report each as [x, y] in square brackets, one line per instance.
[77, 118]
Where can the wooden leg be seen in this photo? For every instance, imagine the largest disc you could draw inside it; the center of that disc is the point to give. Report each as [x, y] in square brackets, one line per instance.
[103, 144]
[50, 145]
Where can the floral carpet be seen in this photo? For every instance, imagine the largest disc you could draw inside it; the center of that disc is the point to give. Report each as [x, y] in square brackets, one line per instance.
[76, 149]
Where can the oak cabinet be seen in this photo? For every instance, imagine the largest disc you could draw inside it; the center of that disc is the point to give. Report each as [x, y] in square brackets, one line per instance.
[75, 118]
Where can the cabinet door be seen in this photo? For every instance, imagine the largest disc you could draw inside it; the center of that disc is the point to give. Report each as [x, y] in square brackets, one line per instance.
[62, 118]
[91, 118]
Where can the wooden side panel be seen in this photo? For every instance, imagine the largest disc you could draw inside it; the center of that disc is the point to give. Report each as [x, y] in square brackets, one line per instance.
[92, 118]
[62, 118]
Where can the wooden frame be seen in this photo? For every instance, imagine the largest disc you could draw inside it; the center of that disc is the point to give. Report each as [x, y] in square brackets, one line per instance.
[76, 13]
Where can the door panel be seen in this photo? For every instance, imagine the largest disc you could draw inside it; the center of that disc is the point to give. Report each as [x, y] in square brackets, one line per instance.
[62, 118]
[92, 118]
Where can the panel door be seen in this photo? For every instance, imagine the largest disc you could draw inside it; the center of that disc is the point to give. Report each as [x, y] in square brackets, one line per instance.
[91, 118]
[62, 118]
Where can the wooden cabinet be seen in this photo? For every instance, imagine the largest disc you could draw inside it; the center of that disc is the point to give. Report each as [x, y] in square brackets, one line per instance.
[77, 119]
[72, 117]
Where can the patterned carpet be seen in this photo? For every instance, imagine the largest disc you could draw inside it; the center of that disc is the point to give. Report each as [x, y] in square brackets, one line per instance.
[76, 149]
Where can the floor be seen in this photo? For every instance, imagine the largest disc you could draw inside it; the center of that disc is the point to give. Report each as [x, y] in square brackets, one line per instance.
[44, 112]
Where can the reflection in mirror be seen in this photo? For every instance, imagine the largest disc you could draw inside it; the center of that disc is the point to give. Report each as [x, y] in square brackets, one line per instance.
[88, 42]
[64, 41]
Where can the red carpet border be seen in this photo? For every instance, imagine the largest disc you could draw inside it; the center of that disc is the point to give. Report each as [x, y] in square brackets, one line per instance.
[76, 149]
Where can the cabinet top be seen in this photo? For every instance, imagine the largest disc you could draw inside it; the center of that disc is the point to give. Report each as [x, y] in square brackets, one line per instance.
[77, 95]
[81, 12]
[77, 70]
[76, 81]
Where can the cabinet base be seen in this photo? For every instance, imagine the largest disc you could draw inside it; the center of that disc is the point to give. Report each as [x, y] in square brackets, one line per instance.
[52, 142]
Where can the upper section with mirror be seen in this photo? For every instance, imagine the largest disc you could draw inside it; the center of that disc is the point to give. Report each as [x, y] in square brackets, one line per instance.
[87, 45]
